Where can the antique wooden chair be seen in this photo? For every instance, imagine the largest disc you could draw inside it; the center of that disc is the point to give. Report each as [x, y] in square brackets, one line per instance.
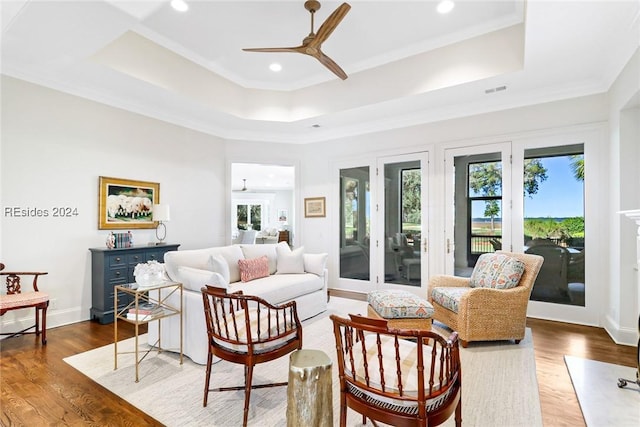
[15, 299]
[247, 330]
[398, 377]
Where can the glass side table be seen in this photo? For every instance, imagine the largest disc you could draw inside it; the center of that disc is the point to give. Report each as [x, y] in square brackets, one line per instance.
[147, 304]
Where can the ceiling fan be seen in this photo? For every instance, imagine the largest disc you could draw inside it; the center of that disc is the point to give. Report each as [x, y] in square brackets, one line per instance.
[312, 43]
[244, 187]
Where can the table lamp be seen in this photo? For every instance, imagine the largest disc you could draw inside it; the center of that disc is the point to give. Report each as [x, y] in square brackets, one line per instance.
[161, 214]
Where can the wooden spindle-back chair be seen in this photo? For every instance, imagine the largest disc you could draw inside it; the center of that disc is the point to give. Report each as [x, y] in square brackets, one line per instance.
[247, 330]
[395, 376]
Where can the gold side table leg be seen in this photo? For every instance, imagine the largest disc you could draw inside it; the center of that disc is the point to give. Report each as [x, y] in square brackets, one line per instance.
[136, 350]
[181, 321]
[115, 330]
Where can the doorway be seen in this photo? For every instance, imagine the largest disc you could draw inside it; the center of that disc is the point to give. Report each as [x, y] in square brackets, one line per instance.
[262, 202]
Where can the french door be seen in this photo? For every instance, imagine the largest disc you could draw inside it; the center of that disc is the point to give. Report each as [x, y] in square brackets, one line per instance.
[383, 218]
[524, 197]
[402, 243]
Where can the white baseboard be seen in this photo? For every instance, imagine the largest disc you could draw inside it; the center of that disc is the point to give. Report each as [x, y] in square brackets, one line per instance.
[55, 318]
[623, 336]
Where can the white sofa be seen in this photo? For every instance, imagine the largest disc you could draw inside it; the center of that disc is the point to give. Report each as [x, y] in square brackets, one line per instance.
[293, 275]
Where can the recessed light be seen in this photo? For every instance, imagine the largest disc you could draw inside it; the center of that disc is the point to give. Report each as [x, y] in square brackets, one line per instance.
[275, 67]
[179, 5]
[445, 6]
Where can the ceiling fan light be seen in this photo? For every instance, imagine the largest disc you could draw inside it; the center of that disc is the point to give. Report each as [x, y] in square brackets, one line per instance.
[445, 6]
[275, 67]
[179, 5]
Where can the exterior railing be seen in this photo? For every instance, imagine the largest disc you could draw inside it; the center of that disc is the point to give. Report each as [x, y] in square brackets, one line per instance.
[484, 244]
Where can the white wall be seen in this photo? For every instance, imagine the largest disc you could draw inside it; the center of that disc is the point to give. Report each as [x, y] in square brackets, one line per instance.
[54, 148]
[621, 317]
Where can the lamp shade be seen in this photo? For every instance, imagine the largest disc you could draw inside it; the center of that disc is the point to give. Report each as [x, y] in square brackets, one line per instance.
[161, 212]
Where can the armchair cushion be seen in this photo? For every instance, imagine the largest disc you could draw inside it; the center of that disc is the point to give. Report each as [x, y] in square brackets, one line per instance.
[26, 299]
[407, 364]
[448, 298]
[496, 270]
[271, 325]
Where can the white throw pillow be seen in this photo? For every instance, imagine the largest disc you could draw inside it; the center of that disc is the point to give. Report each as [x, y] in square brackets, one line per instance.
[256, 251]
[315, 263]
[194, 278]
[218, 264]
[290, 262]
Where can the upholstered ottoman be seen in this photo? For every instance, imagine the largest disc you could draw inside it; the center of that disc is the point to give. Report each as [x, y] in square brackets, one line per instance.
[401, 309]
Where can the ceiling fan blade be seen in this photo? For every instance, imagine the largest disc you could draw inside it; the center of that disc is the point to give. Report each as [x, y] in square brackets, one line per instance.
[272, 49]
[331, 65]
[329, 25]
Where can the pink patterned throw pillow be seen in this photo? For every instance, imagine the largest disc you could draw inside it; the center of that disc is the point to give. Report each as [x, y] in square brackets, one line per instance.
[255, 268]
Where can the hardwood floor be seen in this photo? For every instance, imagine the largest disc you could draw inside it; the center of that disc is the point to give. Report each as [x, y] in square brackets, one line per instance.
[39, 389]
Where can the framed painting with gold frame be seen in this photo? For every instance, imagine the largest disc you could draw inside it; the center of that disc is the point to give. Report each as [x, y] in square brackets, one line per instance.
[315, 207]
[126, 204]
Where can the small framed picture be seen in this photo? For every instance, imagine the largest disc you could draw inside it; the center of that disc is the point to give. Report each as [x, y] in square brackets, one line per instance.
[315, 207]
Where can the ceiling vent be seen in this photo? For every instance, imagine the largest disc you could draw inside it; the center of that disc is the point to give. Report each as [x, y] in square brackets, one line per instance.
[496, 89]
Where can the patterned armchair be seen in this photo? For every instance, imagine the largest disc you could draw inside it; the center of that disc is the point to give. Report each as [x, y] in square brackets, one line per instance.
[491, 305]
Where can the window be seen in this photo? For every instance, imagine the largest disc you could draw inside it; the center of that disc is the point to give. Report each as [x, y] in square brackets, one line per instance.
[411, 213]
[248, 217]
[355, 223]
[484, 187]
[554, 223]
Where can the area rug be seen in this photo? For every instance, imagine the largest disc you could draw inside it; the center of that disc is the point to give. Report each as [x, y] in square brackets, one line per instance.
[601, 401]
[499, 385]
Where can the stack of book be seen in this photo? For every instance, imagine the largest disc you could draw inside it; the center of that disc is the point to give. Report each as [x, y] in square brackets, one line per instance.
[145, 311]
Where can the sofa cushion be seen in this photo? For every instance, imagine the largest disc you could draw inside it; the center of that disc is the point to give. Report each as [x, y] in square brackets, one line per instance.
[315, 263]
[256, 251]
[496, 270]
[194, 279]
[220, 265]
[251, 269]
[289, 262]
[280, 288]
[199, 258]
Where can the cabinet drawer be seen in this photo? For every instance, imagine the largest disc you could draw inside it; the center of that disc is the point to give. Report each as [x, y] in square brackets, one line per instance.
[134, 259]
[155, 256]
[117, 261]
[117, 275]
